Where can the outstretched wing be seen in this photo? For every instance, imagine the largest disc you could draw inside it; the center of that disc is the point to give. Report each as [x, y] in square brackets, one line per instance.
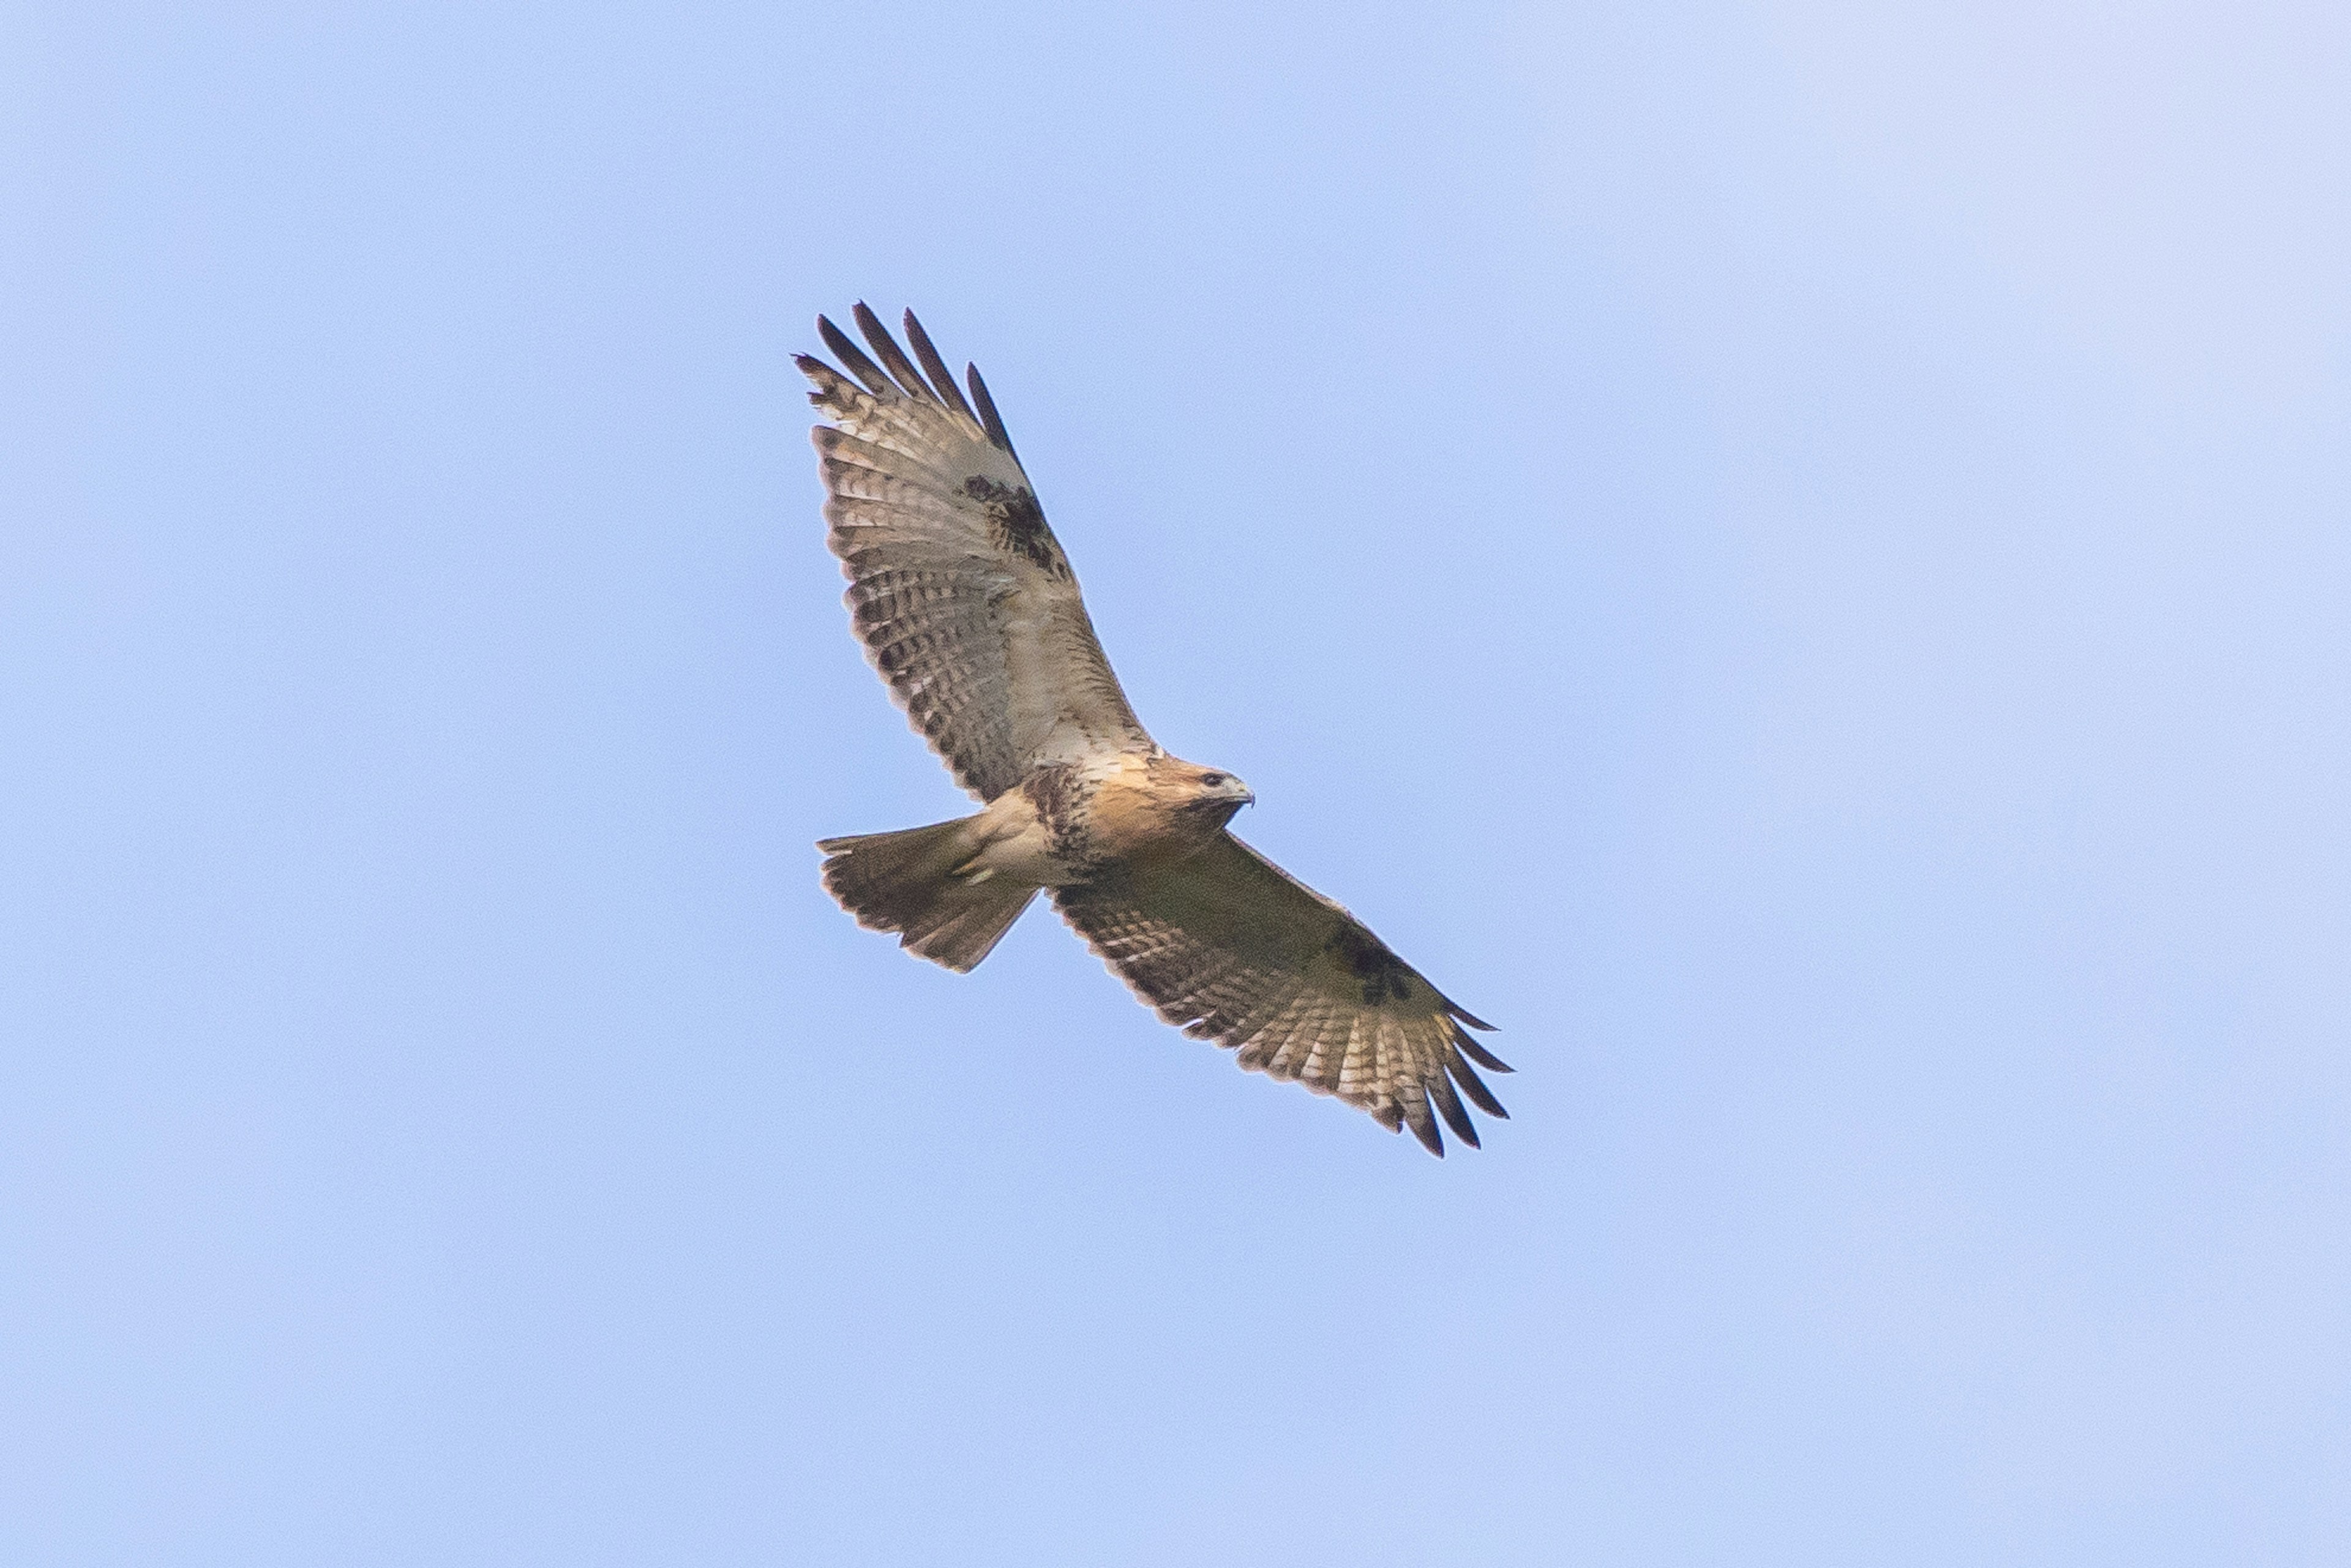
[1229, 947]
[959, 591]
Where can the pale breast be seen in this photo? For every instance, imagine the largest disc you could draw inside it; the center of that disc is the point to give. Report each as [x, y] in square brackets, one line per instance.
[1137, 818]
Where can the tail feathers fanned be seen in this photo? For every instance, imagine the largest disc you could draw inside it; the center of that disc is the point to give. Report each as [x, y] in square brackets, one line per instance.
[917, 882]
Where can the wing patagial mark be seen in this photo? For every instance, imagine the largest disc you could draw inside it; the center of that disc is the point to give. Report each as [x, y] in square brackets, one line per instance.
[1382, 974]
[1019, 523]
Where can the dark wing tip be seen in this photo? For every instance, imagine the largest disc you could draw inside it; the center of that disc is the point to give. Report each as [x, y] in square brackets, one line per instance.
[825, 379]
[1478, 1054]
[1449, 1105]
[1474, 1086]
[942, 380]
[852, 358]
[990, 421]
[893, 358]
[1458, 1010]
[1423, 1124]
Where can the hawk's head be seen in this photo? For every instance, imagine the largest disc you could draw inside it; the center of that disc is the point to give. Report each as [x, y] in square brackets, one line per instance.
[1209, 795]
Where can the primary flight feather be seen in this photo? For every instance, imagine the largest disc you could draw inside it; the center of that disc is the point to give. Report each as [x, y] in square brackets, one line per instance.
[968, 607]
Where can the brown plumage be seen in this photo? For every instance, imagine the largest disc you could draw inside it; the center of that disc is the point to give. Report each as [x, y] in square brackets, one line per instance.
[969, 608]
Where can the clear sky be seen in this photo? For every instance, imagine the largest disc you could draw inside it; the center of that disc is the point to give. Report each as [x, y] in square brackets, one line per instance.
[1793, 556]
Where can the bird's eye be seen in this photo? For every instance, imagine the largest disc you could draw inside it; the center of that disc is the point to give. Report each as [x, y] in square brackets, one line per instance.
[1212, 779]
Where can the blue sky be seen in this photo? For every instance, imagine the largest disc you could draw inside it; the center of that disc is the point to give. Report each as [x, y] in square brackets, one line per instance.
[1794, 557]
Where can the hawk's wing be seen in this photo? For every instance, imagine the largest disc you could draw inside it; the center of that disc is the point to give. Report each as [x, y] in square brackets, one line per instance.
[960, 592]
[1227, 946]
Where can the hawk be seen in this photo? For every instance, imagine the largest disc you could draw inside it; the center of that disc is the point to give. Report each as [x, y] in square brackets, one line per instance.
[968, 607]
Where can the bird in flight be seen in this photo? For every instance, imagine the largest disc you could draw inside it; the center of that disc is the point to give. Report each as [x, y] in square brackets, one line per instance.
[967, 607]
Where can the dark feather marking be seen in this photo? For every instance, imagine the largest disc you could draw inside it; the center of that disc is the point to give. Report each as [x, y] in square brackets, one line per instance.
[943, 380]
[1478, 1054]
[1449, 1105]
[1423, 1124]
[852, 358]
[989, 418]
[1060, 793]
[1474, 1086]
[1019, 522]
[885, 348]
[828, 382]
[1382, 974]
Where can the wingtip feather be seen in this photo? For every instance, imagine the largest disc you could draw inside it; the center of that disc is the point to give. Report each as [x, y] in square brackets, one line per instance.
[990, 421]
[893, 359]
[1423, 1124]
[852, 358]
[1474, 1086]
[1450, 1106]
[1478, 1054]
[943, 381]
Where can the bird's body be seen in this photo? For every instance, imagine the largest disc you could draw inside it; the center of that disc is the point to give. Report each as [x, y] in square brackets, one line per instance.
[969, 608]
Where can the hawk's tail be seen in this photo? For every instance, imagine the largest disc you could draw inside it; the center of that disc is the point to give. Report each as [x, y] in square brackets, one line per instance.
[920, 883]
